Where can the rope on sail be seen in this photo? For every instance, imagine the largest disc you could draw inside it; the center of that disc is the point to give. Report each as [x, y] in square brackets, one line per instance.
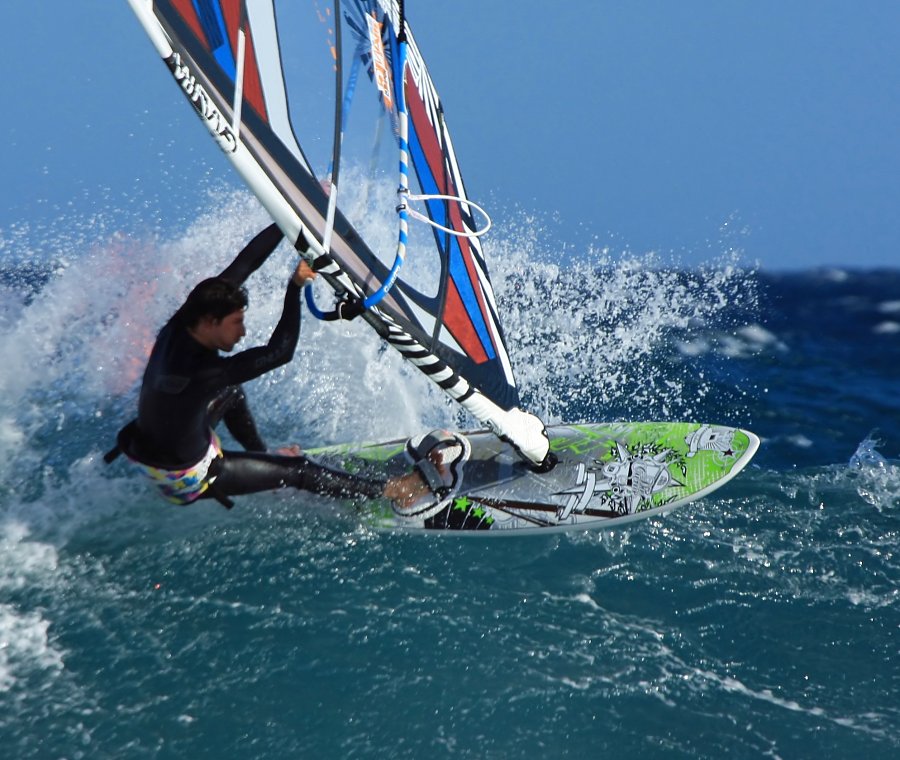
[462, 201]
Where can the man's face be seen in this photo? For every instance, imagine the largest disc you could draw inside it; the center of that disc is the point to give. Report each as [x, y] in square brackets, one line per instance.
[226, 332]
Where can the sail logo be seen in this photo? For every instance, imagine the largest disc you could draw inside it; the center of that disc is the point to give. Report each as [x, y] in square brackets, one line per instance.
[380, 71]
[203, 104]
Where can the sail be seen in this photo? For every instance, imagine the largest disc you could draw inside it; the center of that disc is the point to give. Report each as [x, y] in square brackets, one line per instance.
[240, 64]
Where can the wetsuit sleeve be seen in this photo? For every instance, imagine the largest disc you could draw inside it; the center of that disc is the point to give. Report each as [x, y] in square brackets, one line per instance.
[254, 362]
[253, 255]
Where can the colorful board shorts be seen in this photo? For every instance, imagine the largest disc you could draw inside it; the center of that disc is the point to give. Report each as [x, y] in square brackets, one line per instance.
[183, 486]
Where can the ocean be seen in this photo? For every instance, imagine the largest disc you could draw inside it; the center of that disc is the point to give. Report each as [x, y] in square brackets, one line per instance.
[761, 621]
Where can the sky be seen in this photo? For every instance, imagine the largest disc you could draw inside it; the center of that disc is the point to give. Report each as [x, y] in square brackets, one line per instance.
[688, 128]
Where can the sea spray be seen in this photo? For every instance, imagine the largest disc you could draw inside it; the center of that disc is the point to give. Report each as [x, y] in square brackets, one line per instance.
[586, 339]
[595, 336]
[877, 478]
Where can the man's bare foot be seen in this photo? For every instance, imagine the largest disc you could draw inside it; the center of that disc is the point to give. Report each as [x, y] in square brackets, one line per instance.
[406, 490]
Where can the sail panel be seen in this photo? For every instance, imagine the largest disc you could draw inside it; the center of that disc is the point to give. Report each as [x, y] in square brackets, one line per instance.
[467, 310]
[457, 321]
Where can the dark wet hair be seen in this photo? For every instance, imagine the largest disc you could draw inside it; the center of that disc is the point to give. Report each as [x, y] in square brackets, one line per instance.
[214, 297]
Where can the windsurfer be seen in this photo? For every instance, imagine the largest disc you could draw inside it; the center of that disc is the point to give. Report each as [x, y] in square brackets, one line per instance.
[188, 387]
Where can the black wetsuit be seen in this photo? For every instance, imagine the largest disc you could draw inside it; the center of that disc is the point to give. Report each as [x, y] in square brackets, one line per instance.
[188, 388]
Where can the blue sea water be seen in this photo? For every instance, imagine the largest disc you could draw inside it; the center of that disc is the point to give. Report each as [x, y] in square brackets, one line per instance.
[762, 621]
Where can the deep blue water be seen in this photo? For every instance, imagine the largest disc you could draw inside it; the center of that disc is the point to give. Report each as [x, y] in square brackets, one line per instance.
[763, 621]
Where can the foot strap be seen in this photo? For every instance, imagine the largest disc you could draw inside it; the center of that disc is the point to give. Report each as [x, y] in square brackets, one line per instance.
[438, 457]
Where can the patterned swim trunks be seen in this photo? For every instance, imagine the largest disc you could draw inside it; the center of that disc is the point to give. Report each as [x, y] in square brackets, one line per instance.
[183, 486]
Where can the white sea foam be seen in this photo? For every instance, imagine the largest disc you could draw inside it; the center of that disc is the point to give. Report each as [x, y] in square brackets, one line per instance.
[759, 335]
[741, 343]
[24, 642]
[734, 685]
[23, 561]
[24, 646]
[889, 307]
[886, 328]
[835, 275]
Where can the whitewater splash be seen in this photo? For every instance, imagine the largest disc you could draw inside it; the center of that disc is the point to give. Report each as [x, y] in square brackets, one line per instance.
[596, 335]
[877, 479]
[585, 339]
